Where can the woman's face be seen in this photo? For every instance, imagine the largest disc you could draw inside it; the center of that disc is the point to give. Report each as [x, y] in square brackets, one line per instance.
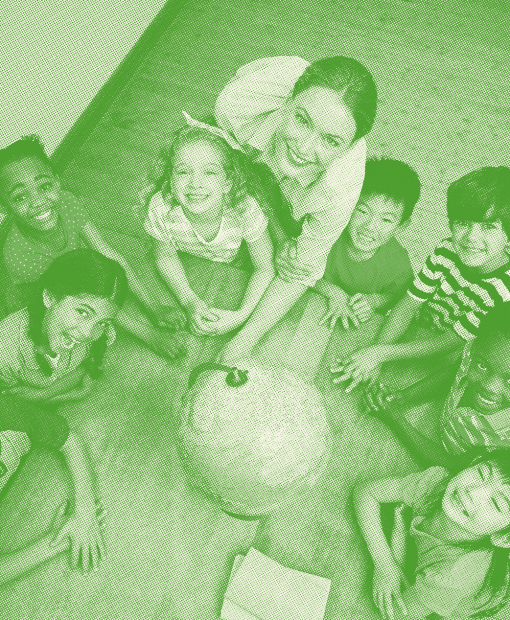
[478, 499]
[318, 129]
[31, 191]
[74, 320]
[199, 180]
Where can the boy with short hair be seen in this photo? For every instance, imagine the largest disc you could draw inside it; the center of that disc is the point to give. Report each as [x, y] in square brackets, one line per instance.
[464, 279]
[367, 268]
[476, 413]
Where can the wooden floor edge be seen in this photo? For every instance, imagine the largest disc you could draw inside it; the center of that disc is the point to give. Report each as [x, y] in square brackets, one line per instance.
[90, 117]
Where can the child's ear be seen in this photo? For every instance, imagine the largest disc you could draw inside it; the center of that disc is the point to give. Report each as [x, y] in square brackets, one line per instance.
[48, 298]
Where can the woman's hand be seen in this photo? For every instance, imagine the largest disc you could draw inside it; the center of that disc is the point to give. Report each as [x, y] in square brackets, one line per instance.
[388, 580]
[361, 307]
[228, 320]
[288, 267]
[364, 365]
[202, 319]
[83, 528]
[170, 316]
[338, 308]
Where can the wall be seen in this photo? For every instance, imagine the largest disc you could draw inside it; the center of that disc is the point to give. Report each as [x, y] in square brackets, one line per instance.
[56, 54]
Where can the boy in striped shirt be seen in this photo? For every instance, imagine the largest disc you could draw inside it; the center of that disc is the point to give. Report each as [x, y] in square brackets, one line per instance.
[476, 412]
[464, 279]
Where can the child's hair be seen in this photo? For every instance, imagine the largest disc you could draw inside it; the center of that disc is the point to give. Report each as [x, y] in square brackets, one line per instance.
[498, 321]
[27, 146]
[75, 273]
[350, 79]
[481, 196]
[236, 164]
[498, 575]
[393, 179]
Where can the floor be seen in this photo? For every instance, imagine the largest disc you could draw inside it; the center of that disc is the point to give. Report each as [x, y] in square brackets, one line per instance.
[442, 75]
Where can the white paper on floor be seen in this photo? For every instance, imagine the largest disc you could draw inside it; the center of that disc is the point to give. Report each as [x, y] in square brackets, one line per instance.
[261, 589]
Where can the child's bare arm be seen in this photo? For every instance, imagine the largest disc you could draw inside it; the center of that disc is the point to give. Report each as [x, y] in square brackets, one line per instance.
[261, 254]
[60, 386]
[398, 321]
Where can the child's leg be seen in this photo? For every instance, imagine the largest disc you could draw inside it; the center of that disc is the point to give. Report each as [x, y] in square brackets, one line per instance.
[31, 498]
[133, 320]
[425, 450]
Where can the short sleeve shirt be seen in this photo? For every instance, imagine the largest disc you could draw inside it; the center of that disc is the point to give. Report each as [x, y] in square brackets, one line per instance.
[455, 295]
[43, 428]
[26, 260]
[447, 576]
[463, 427]
[251, 108]
[168, 224]
[388, 271]
[18, 363]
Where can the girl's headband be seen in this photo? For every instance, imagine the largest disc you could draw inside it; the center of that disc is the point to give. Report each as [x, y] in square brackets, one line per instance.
[215, 130]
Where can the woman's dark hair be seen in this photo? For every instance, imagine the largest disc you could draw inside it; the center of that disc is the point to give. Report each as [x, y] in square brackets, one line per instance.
[245, 180]
[481, 196]
[79, 272]
[393, 179]
[350, 79]
[27, 146]
[498, 575]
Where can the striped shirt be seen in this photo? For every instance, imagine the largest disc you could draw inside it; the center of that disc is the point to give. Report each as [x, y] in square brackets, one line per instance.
[463, 427]
[168, 224]
[457, 296]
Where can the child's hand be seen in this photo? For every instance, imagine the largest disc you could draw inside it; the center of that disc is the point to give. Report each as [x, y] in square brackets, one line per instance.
[361, 307]
[289, 268]
[338, 308]
[202, 319]
[387, 586]
[83, 528]
[377, 397]
[227, 320]
[168, 316]
[77, 393]
[27, 392]
[364, 365]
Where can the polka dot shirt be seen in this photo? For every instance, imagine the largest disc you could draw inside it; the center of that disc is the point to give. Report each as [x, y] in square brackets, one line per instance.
[26, 260]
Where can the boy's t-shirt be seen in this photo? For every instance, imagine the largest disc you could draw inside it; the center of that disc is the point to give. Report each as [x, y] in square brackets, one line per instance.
[26, 260]
[463, 427]
[388, 271]
[456, 295]
[169, 224]
[447, 576]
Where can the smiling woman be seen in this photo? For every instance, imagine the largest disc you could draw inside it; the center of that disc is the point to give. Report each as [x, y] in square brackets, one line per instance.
[305, 123]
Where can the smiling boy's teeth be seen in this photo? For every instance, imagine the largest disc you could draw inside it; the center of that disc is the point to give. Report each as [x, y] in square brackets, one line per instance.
[43, 216]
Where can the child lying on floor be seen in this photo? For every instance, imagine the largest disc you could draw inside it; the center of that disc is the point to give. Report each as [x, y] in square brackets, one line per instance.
[476, 413]
[459, 286]
[367, 268]
[461, 532]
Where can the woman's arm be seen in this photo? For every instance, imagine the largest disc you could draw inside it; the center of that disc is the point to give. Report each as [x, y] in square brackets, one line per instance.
[277, 300]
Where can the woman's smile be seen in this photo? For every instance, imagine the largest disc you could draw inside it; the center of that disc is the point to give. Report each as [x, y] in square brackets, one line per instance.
[296, 158]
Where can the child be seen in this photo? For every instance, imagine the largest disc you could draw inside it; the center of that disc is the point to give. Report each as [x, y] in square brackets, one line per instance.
[307, 124]
[47, 350]
[367, 269]
[48, 222]
[202, 207]
[460, 284]
[476, 413]
[461, 530]
[58, 341]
